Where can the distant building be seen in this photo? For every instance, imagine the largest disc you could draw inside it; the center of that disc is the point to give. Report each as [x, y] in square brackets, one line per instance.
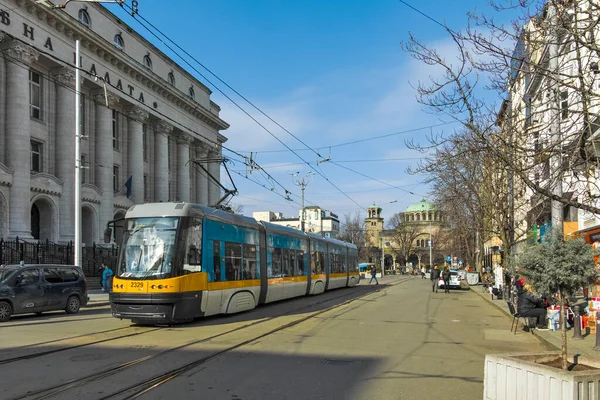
[316, 220]
[422, 216]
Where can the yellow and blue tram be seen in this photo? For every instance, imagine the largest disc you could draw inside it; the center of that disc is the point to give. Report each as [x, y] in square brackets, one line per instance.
[180, 261]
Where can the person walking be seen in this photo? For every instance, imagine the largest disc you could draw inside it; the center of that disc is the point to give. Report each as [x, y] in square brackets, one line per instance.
[107, 275]
[374, 275]
[446, 278]
[435, 277]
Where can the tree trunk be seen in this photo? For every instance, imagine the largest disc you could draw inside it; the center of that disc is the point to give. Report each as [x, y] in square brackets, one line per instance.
[563, 331]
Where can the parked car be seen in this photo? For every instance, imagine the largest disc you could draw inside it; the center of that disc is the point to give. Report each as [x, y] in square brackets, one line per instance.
[456, 282]
[35, 288]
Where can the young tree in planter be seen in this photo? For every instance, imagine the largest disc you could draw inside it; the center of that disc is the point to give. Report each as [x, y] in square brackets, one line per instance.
[556, 267]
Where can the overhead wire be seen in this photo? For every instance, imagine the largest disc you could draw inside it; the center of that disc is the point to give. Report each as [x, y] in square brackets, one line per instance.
[234, 102]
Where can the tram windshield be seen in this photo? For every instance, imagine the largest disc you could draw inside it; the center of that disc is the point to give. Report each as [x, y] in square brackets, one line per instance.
[148, 248]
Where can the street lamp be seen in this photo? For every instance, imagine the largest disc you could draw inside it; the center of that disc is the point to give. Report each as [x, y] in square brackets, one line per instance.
[303, 183]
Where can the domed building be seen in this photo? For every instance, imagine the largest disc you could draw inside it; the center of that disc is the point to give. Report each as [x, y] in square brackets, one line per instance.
[409, 241]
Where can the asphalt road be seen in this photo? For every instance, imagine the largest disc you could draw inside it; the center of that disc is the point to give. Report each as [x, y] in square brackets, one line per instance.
[394, 341]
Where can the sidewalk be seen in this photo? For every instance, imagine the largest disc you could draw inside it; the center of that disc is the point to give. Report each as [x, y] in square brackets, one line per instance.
[97, 298]
[552, 339]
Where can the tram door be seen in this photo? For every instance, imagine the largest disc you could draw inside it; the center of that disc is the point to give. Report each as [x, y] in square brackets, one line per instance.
[215, 270]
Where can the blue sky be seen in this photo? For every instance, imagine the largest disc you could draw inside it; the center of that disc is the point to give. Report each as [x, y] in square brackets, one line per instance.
[330, 72]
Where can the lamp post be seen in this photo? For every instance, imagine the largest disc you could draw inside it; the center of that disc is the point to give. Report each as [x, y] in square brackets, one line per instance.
[430, 247]
[382, 257]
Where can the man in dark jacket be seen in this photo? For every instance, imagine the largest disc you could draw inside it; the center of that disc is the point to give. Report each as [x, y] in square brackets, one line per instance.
[435, 277]
[531, 306]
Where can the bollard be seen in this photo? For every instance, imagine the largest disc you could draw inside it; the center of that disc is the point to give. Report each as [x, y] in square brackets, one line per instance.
[577, 322]
[597, 348]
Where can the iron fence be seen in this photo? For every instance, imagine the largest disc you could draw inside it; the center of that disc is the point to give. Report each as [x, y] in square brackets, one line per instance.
[46, 252]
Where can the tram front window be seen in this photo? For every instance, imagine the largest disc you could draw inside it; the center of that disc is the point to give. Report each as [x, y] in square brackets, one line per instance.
[148, 248]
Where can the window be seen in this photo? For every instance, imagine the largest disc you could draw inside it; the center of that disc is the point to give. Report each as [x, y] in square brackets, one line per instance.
[84, 18]
[564, 104]
[52, 275]
[147, 62]
[275, 263]
[288, 262]
[118, 41]
[146, 191]
[36, 157]
[82, 115]
[193, 258]
[28, 277]
[83, 167]
[70, 275]
[171, 79]
[116, 186]
[115, 130]
[192, 93]
[299, 271]
[145, 141]
[35, 94]
[216, 261]
[250, 263]
[233, 261]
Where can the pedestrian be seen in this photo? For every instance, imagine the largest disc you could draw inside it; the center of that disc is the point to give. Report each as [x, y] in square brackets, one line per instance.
[374, 275]
[435, 277]
[422, 272]
[446, 278]
[107, 275]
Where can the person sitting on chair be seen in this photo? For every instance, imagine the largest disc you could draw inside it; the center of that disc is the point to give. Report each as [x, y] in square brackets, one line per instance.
[530, 305]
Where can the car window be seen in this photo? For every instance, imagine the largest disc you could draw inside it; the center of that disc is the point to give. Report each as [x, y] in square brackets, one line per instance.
[70, 275]
[52, 275]
[28, 277]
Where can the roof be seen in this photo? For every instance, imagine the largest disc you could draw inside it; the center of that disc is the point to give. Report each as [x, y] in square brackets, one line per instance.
[422, 205]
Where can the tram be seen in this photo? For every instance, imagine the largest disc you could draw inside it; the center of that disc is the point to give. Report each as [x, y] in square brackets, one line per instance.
[181, 261]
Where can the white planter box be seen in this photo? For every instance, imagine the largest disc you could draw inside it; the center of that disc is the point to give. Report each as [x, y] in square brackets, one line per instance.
[517, 376]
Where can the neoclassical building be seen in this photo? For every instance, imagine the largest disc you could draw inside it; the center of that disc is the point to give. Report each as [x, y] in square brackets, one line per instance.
[425, 222]
[145, 122]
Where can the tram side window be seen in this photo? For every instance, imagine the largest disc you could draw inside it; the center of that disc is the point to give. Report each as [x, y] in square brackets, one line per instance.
[321, 256]
[233, 261]
[299, 263]
[276, 267]
[287, 262]
[193, 261]
[250, 262]
[217, 260]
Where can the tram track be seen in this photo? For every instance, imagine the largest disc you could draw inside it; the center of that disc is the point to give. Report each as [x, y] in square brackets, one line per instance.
[148, 384]
[136, 331]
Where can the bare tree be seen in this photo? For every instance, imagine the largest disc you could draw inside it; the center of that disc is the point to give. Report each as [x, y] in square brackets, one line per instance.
[352, 230]
[537, 146]
[405, 233]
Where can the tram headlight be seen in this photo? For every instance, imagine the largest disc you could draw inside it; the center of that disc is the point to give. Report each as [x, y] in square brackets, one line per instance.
[160, 286]
[153, 287]
[122, 286]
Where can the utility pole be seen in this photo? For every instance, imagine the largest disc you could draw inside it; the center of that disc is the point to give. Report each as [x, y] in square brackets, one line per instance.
[77, 260]
[303, 183]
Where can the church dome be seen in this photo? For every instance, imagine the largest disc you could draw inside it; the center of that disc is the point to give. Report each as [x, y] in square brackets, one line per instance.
[422, 205]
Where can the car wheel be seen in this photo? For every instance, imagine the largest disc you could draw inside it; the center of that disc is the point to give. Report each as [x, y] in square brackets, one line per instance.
[73, 305]
[5, 311]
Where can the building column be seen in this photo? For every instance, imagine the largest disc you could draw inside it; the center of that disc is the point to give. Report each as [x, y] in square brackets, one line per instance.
[214, 168]
[104, 155]
[161, 161]
[18, 142]
[183, 168]
[65, 151]
[201, 177]
[135, 152]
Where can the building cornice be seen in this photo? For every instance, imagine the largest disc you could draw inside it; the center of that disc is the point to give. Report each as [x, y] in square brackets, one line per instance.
[45, 183]
[65, 23]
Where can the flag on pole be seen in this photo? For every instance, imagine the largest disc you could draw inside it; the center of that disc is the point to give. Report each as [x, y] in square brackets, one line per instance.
[128, 186]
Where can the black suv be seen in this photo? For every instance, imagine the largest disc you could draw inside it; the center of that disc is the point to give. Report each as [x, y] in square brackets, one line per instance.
[34, 288]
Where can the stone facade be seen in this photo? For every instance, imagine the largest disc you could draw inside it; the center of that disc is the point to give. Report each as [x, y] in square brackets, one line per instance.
[143, 117]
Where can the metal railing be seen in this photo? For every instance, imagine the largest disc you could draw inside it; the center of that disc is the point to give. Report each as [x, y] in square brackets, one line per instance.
[46, 252]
